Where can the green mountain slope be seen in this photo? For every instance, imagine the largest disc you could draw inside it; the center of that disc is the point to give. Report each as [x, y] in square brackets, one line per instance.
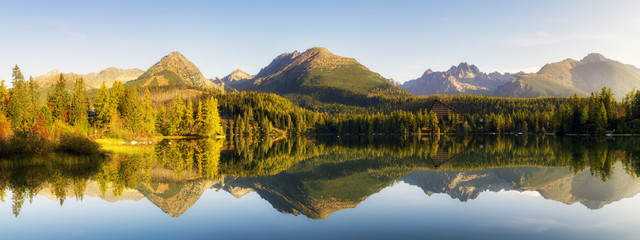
[592, 73]
[533, 85]
[321, 75]
[173, 70]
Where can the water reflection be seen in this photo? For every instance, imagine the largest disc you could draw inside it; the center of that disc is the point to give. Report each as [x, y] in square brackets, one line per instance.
[317, 177]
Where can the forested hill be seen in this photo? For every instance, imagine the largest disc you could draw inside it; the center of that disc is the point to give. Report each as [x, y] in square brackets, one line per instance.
[319, 75]
[173, 70]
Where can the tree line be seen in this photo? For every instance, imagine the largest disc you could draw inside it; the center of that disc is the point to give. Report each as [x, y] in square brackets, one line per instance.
[68, 116]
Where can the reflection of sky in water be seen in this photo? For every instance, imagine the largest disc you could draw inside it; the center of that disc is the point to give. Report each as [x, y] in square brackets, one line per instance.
[399, 211]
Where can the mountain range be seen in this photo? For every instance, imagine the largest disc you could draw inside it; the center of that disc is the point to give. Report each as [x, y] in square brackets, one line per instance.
[463, 78]
[322, 76]
[92, 80]
[559, 79]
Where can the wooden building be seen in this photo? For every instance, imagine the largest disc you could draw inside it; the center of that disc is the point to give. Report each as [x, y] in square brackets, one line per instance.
[442, 110]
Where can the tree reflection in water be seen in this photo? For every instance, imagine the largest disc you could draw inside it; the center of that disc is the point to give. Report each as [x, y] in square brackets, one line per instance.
[316, 177]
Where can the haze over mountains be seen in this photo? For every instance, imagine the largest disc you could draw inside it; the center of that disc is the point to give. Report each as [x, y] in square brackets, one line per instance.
[321, 75]
[463, 78]
[560, 79]
[92, 80]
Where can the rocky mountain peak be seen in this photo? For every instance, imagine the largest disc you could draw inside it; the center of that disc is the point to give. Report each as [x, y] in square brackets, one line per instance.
[317, 51]
[174, 69]
[236, 75]
[464, 70]
[593, 58]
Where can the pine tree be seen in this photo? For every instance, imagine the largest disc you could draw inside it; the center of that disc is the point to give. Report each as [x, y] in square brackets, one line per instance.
[102, 104]
[187, 119]
[601, 119]
[33, 109]
[19, 98]
[211, 119]
[148, 113]
[4, 97]
[79, 106]
[199, 121]
[58, 100]
[131, 111]
[117, 97]
[174, 116]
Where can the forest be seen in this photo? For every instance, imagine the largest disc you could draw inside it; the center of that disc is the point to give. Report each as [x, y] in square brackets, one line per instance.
[69, 118]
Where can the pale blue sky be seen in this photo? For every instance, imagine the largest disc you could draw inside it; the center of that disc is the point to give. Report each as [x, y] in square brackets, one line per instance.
[398, 39]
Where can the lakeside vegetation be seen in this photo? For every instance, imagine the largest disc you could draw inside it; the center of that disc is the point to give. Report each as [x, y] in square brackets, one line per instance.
[69, 120]
[71, 116]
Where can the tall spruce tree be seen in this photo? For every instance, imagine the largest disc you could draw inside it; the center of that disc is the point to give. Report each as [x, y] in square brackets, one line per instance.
[19, 98]
[149, 113]
[131, 111]
[4, 97]
[102, 104]
[58, 100]
[79, 106]
[187, 119]
[211, 119]
[199, 118]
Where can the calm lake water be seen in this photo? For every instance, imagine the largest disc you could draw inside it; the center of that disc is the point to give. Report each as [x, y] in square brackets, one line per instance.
[345, 188]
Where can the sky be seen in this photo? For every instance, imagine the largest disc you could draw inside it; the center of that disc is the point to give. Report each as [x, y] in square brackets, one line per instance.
[398, 39]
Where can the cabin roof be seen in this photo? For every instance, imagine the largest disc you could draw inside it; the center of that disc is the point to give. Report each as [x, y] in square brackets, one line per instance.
[441, 109]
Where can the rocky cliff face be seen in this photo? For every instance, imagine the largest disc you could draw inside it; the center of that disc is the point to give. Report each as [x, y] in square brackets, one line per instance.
[463, 78]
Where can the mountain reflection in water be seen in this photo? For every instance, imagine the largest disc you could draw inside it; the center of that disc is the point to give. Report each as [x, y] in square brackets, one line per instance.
[318, 177]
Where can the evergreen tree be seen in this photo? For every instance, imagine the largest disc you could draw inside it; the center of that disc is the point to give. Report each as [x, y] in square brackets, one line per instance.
[4, 97]
[117, 98]
[601, 119]
[174, 116]
[211, 119]
[187, 119]
[102, 104]
[199, 121]
[131, 111]
[58, 100]
[33, 109]
[148, 113]
[79, 106]
[19, 98]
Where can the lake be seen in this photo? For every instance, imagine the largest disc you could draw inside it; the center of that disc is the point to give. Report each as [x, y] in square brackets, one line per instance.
[330, 187]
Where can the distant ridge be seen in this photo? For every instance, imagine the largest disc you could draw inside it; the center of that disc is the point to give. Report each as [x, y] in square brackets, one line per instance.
[464, 78]
[92, 80]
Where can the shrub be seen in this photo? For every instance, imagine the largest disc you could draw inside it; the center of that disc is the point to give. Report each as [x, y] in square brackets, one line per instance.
[75, 143]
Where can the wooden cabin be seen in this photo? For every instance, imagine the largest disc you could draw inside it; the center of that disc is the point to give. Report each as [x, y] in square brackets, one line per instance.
[442, 110]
